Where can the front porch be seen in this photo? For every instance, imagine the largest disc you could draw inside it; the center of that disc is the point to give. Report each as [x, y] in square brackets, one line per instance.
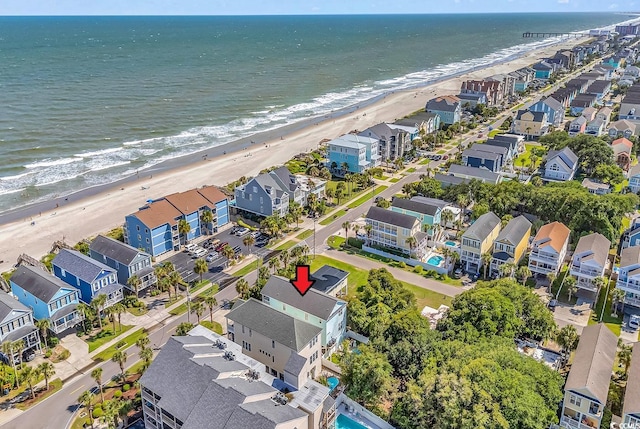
[65, 318]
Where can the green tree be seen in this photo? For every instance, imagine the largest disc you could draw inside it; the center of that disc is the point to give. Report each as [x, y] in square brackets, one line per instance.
[523, 273]
[242, 287]
[117, 309]
[207, 219]
[295, 210]
[183, 329]
[617, 297]
[96, 374]
[486, 258]
[367, 376]
[412, 243]
[120, 357]
[624, 357]
[184, 228]
[228, 252]
[610, 174]
[211, 303]
[135, 283]
[570, 285]
[248, 241]
[11, 349]
[143, 341]
[200, 267]
[29, 375]
[198, 308]
[47, 370]
[44, 325]
[97, 303]
[567, 338]
[346, 225]
[86, 400]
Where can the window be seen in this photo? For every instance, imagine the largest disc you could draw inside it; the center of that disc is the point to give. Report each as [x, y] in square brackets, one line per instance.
[575, 400]
[273, 344]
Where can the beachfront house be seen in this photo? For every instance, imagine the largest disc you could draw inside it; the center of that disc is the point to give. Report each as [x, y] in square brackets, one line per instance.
[48, 297]
[629, 275]
[396, 233]
[543, 70]
[560, 165]
[90, 277]
[263, 196]
[464, 172]
[631, 407]
[523, 78]
[511, 244]
[16, 324]
[330, 280]
[315, 307]
[394, 140]
[577, 126]
[622, 152]
[290, 349]
[155, 227]
[621, 128]
[126, 260]
[448, 107]
[351, 153]
[471, 100]
[429, 215]
[553, 108]
[477, 240]
[587, 387]
[595, 186]
[590, 259]
[425, 122]
[530, 124]
[631, 236]
[493, 90]
[549, 248]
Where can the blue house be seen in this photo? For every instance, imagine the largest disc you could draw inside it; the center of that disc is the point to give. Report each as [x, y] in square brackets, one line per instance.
[154, 228]
[16, 323]
[126, 260]
[352, 154]
[490, 160]
[429, 215]
[48, 297]
[543, 70]
[553, 108]
[90, 277]
[448, 107]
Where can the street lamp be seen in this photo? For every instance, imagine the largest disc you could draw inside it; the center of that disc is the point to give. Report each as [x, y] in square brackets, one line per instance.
[188, 305]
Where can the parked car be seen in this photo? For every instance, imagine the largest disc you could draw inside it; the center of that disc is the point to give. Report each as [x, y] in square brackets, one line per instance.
[190, 247]
[242, 232]
[256, 234]
[634, 322]
[221, 246]
[212, 257]
[199, 253]
[4, 358]
[457, 273]
[28, 355]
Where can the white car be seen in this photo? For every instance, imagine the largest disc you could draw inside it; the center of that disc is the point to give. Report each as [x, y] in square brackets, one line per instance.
[634, 322]
[190, 247]
[242, 232]
[212, 257]
[199, 253]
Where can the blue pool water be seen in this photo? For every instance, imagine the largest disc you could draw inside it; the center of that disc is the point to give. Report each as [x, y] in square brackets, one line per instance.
[333, 382]
[435, 260]
[344, 422]
[451, 243]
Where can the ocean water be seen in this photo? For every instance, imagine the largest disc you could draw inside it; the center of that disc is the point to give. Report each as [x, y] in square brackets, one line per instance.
[89, 100]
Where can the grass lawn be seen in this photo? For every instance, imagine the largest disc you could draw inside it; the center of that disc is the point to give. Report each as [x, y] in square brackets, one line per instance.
[335, 241]
[105, 335]
[333, 216]
[394, 180]
[613, 323]
[441, 152]
[425, 161]
[246, 269]
[54, 386]
[364, 198]
[129, 340]
[182, 308]
[495, 132]
[516, 107]
[383, 177]
[427, 297]
[410, 170]
[215, 326]
[172, 301]
[620, 186]
[305, 234]
[137, 311]
[200, 285]
[524, 159]
[286, 245]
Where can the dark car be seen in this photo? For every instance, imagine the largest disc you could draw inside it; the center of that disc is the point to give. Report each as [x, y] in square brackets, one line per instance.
[28, 355]
[4, 358]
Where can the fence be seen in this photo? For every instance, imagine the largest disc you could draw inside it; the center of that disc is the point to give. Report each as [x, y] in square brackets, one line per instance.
[408, 261]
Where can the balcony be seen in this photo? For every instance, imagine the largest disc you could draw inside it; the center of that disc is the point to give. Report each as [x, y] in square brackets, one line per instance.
[632, 287]
[635, 302]
[585, 273]
[543, 257]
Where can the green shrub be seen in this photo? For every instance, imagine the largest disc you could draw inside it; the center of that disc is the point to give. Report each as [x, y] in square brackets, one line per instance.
[418, 269]
[48, 353]
[64, 355]
[53, 341]
[97, 412]
[155, 292]
[126, 387]
[117, 393]
[401, 264]
[120, 344]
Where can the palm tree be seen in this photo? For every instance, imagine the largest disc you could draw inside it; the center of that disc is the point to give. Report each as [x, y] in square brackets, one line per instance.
[87, 315]
[486, 261]
[183, 229]
[355, 228]
[567, 338]
[551, 277]
[175, 280]
[463, 201]
[43, 325]
[110, 417]
[120, 357]
[135, 282]
[411, 242]
[200, 267]
[295, 210]
[146, 355]
[523, 273]
[598, 282]
[110, 313]
[47, 370]
[198, 309]
[97, 303]
[29, 375]
[183, 329]
[96, 374]
[211, 302]
[507, 269]
[248, 241]
[285, 257]
[10, 349]
[349, 179]
[447, 217]
[617, 296]
[86, 399]
[228, 252]
[207, 218]
[624, 357]
[346, 225]
[345, 166]
[368, 228]
[123, 411]
[571, 286]
[117, 309]
[274, 263]
[242, 287]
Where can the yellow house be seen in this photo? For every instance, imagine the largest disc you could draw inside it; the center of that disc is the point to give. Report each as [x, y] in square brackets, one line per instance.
[511, 243]
[478, 239]
[530, 124]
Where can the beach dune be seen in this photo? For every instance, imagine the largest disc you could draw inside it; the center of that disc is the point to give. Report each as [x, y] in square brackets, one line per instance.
[84, 218]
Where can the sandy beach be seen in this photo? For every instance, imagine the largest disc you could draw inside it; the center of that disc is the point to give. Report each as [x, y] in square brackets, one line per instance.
[41, 225]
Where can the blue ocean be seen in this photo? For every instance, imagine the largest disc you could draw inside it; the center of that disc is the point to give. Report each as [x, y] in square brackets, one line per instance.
[89, 100]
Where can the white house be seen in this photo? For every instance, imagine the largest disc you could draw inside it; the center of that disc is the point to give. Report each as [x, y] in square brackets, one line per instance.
[561, 165]
[629, 275]
[590, 260]
[549, 248]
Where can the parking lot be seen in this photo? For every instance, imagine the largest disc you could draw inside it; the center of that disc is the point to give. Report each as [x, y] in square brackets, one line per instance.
[183, 262]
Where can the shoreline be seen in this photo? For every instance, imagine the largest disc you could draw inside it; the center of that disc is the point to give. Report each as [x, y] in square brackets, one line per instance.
[104, 207]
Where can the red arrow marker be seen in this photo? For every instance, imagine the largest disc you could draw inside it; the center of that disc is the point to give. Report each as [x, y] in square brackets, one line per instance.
[302, 282]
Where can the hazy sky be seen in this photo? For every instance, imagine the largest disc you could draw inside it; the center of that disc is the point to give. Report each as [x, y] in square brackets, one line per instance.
[304, 7]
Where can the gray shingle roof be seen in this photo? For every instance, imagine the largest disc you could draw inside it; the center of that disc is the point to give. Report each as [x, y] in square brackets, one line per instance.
[415, 206]
[38, 283]
[80, 265]
[501, 144]
[114, 249]
[273, 324]
[447, 180]
[327, 278]
[8, 304]
[593, 362]
[483, 226]
[537, 116]
[481, 154]
[391, 217]
[632, 392]
[511, 138]
[595, 243]
[477, 173]
[553, 103]
[630, 256]
[430, 201]
[488, 147]
[513, 232]
[314, 302]
[288, 179]
[566, 155]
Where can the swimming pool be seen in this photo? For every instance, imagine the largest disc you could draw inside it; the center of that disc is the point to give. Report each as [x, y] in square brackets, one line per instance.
[344, 422]
[333, 382]
[435, 260]
[451, 243]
